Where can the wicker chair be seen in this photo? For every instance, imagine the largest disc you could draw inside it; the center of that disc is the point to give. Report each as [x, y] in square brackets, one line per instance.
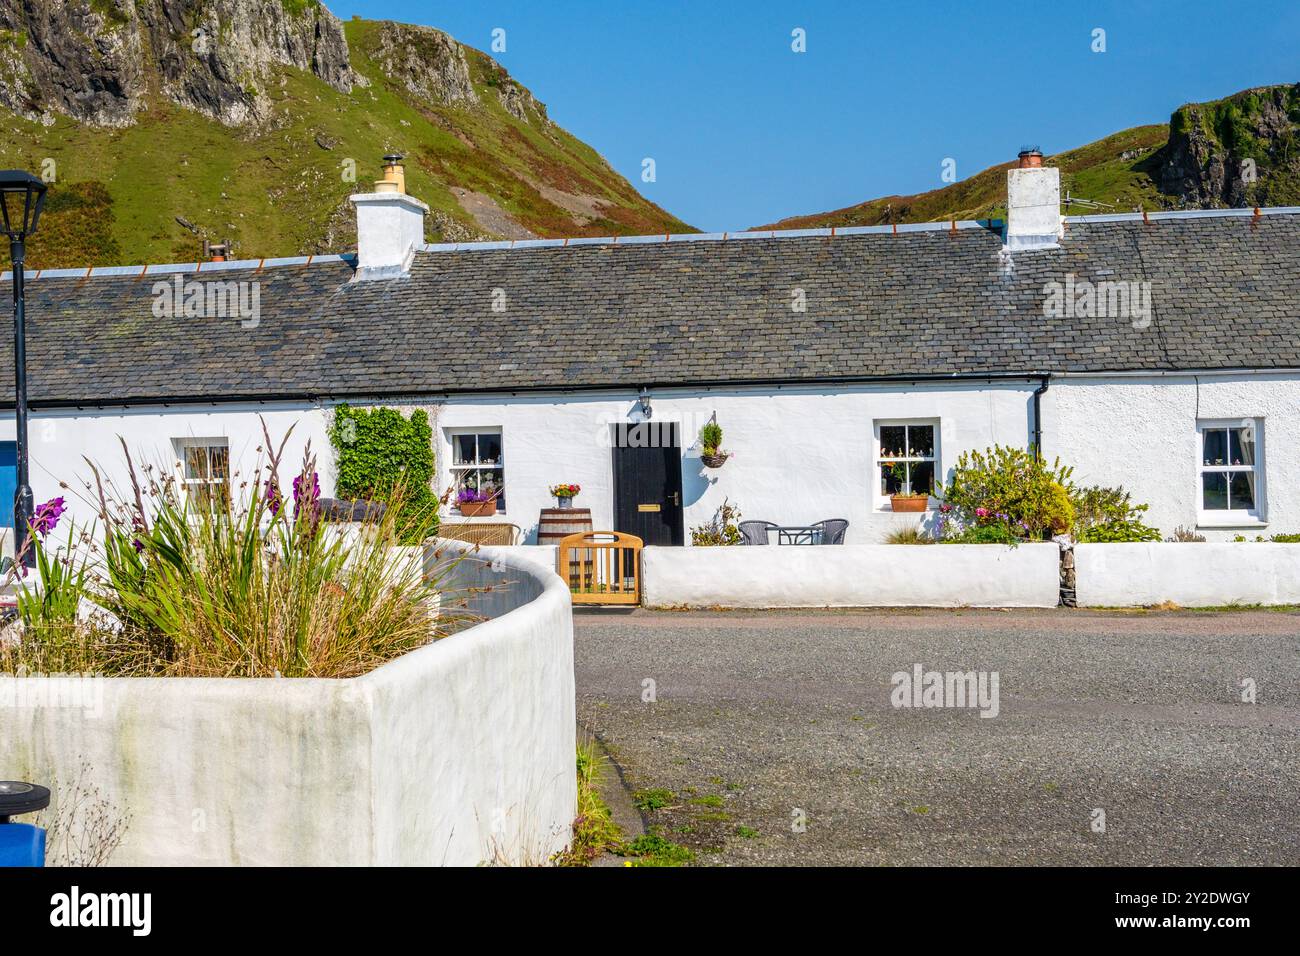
[832, 530]
[755, 532]
[485, 533]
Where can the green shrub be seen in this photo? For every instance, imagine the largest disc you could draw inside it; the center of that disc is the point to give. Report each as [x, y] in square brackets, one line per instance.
[1108, 515]
[1010, 487]
[376, 451]
[711, 437]
[721, 530]
[1285, 539]
[983, 534]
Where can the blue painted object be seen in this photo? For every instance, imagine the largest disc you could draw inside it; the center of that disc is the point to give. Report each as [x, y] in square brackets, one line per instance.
[21, 844]
[8, 482]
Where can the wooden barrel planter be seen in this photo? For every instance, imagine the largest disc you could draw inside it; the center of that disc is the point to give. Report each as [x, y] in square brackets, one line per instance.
[556, 524]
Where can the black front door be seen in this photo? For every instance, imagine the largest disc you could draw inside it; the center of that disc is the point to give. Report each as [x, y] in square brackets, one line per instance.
[648, 482]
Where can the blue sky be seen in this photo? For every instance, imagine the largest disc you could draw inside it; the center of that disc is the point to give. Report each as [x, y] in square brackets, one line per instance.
[745, 131]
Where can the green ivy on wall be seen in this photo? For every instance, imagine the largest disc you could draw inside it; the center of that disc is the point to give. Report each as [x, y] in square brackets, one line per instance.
[378, 448]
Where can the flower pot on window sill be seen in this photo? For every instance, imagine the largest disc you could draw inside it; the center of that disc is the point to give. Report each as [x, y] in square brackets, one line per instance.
[909, 503]
[478, 509]
[715, 460]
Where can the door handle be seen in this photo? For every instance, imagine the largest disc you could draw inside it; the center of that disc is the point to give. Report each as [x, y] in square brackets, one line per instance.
[677, 498]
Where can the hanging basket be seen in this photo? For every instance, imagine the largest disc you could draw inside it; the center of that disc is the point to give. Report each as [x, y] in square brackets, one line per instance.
[716, 460]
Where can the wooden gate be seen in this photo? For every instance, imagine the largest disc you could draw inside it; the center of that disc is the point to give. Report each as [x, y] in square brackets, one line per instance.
[601, 567]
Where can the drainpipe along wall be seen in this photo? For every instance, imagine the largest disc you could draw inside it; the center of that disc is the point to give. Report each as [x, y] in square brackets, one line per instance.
[1038, 415]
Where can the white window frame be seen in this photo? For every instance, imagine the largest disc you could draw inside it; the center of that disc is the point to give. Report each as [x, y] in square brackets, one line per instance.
[182, 447]
[1230, 517]
[881, 500]
[455, 471]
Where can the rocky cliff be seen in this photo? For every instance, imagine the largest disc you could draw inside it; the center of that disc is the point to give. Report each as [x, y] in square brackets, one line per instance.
[164, 122]
[96, 60]
[1240, 151]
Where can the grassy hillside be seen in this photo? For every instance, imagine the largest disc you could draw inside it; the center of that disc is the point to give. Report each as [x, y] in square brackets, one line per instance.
[1163, 166]
[279, 189]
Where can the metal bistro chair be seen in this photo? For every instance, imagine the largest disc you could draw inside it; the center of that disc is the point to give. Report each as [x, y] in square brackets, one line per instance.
[832, 530]
[755, 532]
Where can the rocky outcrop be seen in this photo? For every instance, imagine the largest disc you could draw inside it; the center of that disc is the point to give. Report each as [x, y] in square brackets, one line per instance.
[94, 60]
[516, 99]
[74, 57]
[1218, 151]
[426, 62]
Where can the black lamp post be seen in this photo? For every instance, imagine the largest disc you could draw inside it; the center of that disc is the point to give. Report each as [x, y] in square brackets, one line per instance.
[22, 196]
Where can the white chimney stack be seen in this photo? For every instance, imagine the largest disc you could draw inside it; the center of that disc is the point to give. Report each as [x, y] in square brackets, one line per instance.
[390, 225]
[1033, 204]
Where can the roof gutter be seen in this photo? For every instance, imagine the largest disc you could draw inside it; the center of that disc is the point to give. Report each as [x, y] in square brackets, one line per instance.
[627, 386]
[313, 397]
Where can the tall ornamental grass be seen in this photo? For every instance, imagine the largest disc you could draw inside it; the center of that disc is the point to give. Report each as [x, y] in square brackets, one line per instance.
[242, 581]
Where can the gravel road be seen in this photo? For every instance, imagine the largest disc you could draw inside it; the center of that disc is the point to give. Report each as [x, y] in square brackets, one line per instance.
[776, 735]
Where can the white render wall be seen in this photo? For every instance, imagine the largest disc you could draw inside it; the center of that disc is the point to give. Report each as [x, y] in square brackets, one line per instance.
[459, 753]
[61, 440]
[1189, 574]
[882, 575]
[799, 454]
[1141, 433]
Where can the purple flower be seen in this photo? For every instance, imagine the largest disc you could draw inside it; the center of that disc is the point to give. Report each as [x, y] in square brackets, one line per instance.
[273, 495]
[301, 498]
[47, 516]
[469, 496]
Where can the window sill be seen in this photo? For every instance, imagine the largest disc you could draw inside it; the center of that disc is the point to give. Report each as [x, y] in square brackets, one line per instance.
[1215, 521]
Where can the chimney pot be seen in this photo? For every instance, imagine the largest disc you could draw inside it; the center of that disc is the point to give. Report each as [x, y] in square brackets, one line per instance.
[1030, 158]
[216, 251]
[394, 178]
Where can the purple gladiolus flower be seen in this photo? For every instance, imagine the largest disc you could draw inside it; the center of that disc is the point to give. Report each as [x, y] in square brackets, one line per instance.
[301, 498]
[47, 516]
[273, 495]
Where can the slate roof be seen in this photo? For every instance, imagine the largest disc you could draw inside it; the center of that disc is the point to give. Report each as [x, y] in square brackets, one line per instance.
[1225, 291]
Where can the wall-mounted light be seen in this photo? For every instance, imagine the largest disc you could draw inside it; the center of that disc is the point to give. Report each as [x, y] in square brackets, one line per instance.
[646, 410]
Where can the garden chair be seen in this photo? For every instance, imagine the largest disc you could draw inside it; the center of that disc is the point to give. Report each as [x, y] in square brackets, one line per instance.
[755, 532]
[832, 530]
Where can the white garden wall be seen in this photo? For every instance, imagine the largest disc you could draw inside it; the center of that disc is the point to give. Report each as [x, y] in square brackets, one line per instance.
[459, 753]
[949, 575]
[1192, 575]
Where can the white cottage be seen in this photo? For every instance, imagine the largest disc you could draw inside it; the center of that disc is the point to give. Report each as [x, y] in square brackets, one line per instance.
[1156, 351]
